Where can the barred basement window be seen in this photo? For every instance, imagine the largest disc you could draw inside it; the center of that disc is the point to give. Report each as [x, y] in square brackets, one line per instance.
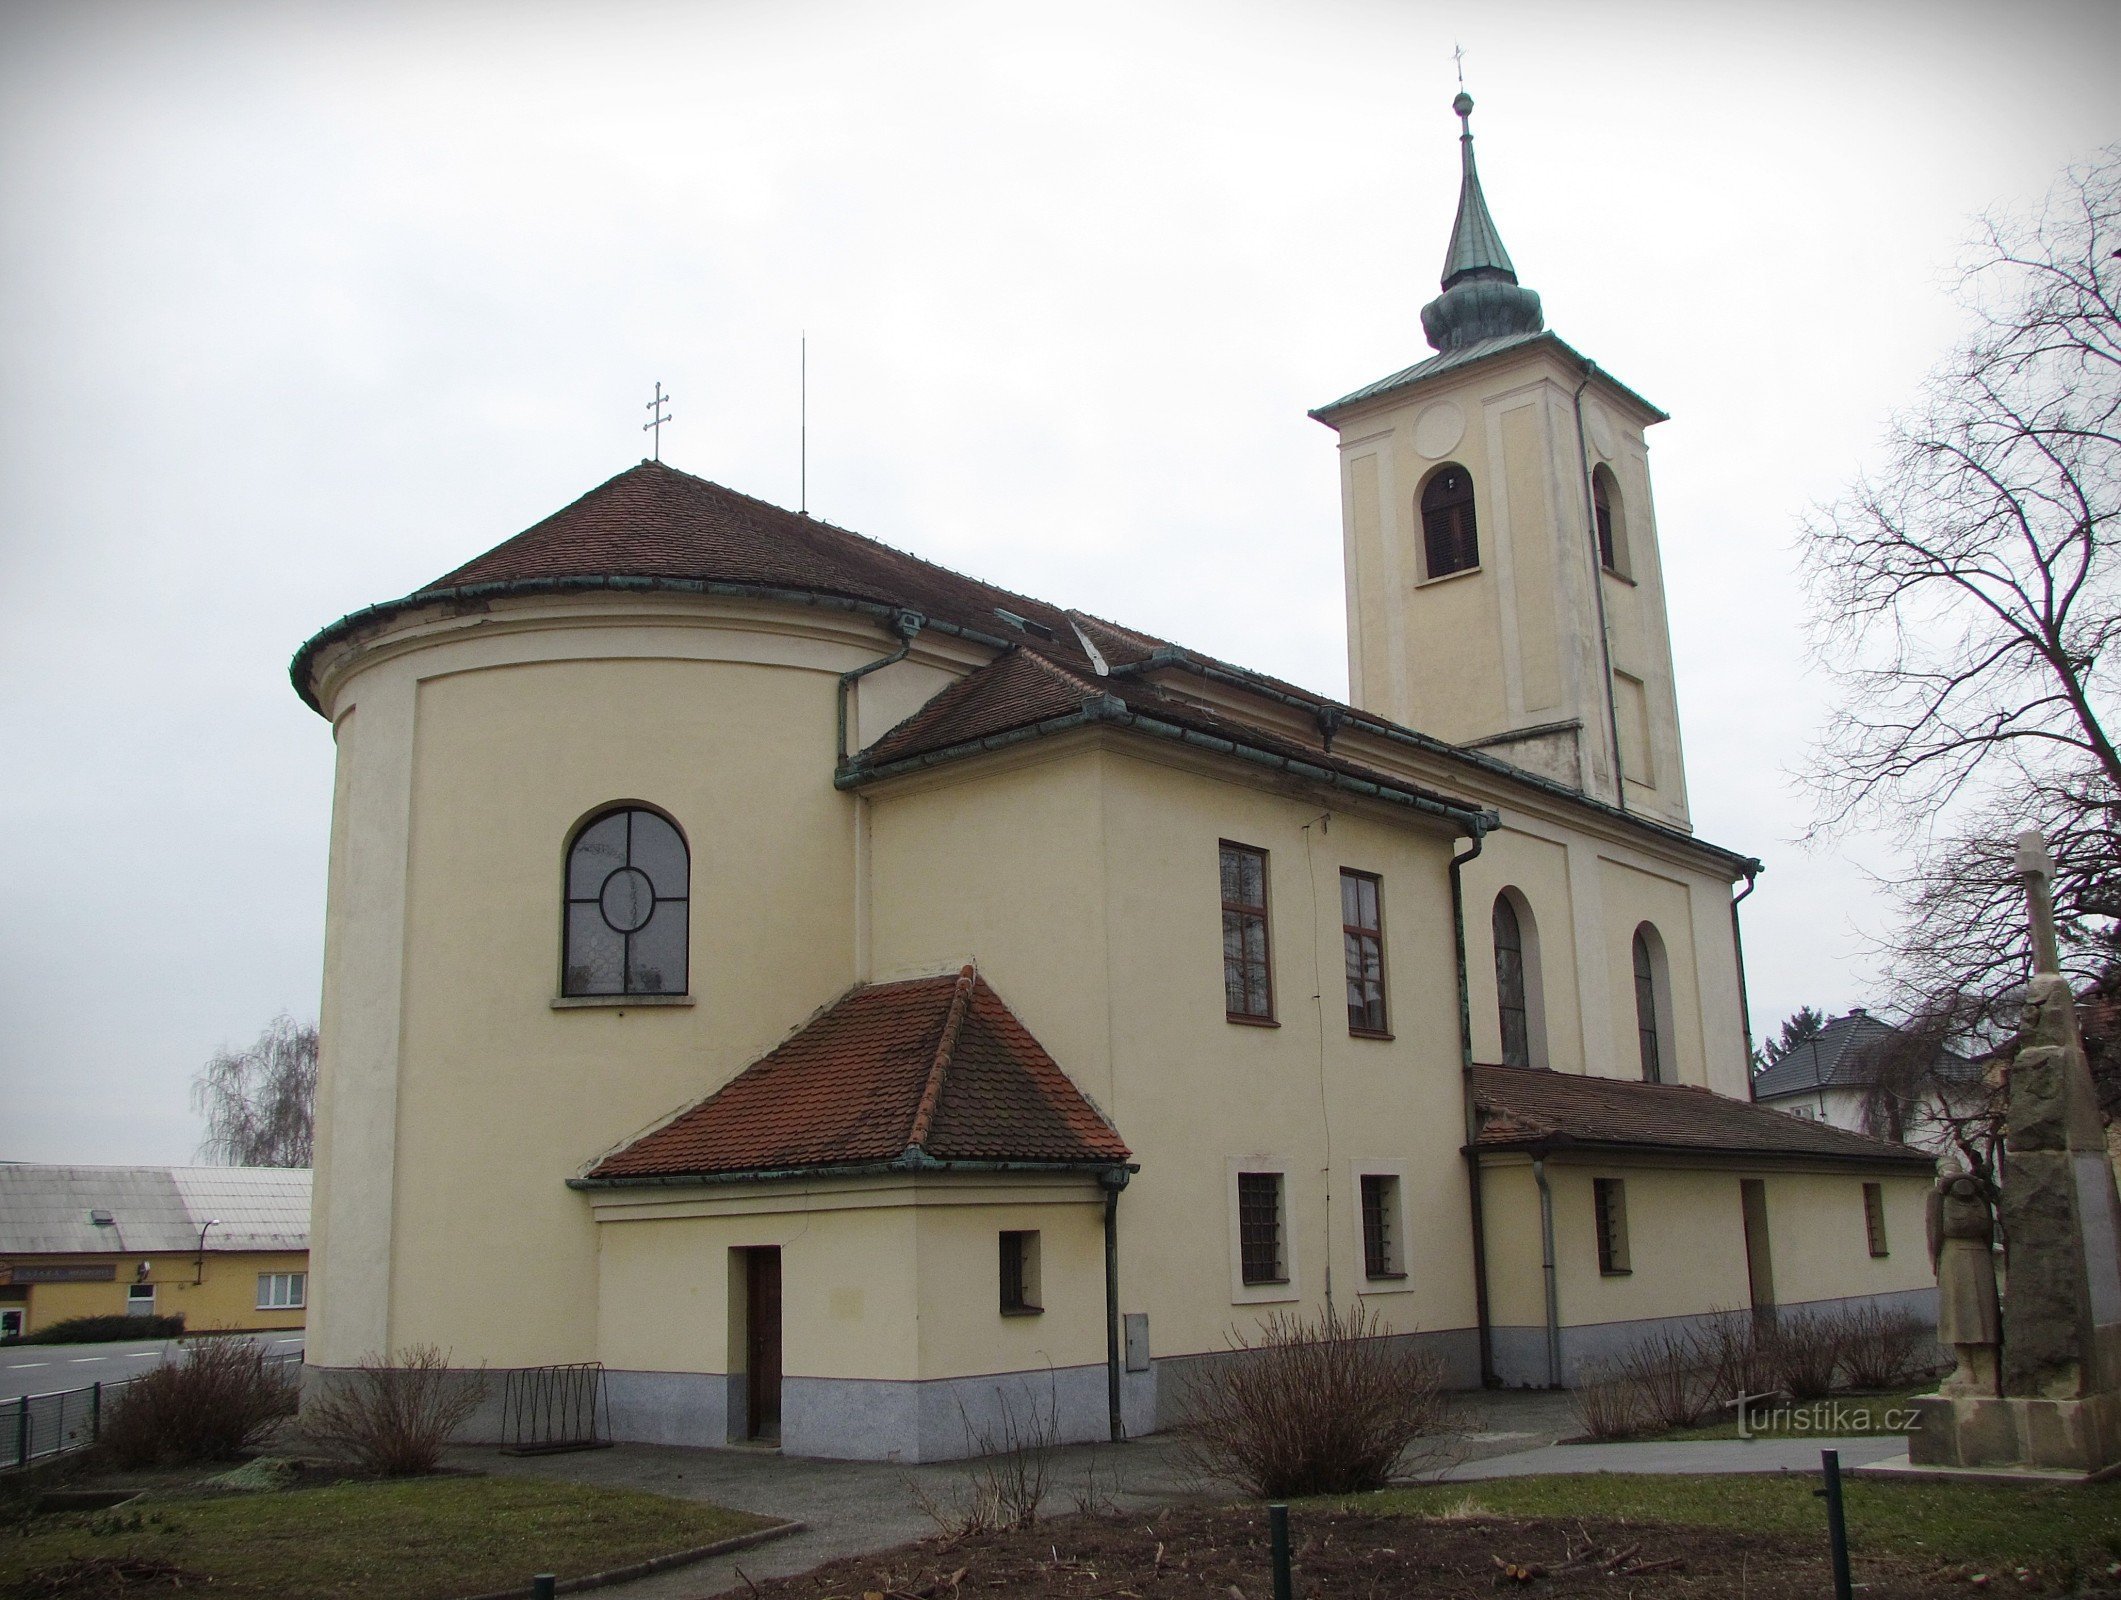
[1021, 1296]
[1362, 931]
[1449, 540]
[1609, 1200]
[1874, 1217]
[282, 1291]
[628, 910]
[1380, 1226]
[1261, 1258]
[1248, 978]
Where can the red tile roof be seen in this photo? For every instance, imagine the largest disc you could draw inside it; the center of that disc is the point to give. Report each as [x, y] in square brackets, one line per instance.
[1528, 1108]
[938, 1066]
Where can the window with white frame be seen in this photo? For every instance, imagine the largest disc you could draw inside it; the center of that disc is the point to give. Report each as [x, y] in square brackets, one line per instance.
[282, 1291]
[1262, 1255]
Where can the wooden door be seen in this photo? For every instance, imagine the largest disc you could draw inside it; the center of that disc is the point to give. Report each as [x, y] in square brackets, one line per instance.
[762, 1341]
[1759, 1257]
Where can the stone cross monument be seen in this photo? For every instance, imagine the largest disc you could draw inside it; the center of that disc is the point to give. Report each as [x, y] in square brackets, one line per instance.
[2060, 1401]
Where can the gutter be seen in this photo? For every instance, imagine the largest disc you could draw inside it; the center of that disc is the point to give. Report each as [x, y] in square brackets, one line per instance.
[1477, 1216]
[472, 595]
[1110, 711]
[1112, 1180]
[1546, 1263]
[907, 625]
[913, 1160]
[1170, 656]
[1562, 1144]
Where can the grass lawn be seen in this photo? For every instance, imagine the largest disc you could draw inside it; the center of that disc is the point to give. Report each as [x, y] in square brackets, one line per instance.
[1845, 1416]
[420, 1538]
[2049, 1529]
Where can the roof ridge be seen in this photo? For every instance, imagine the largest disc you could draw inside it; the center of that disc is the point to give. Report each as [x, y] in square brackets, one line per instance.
[932, 1093]
[1073, 679]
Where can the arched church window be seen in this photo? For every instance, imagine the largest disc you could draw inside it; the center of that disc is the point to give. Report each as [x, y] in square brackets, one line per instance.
[628, 906]
[1652, 1005]
[1510, 996]
[1450, 542]
[1612, 530]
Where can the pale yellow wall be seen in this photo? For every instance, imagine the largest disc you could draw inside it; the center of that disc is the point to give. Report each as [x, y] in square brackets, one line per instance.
[1516, 644]
[1817, 1237]
[227, 1296]
[884, 1278]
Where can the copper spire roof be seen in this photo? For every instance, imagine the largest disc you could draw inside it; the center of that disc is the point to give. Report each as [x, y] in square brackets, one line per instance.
[1481, 297]
[926, 1073]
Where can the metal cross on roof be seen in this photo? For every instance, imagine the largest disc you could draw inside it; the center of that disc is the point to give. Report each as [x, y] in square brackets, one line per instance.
[1458, 56]
[655, 424]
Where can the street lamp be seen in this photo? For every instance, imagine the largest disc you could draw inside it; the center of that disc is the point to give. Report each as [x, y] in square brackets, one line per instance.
[199, 1267]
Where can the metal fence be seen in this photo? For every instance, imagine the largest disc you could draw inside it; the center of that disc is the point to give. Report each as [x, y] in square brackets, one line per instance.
[37, 1427]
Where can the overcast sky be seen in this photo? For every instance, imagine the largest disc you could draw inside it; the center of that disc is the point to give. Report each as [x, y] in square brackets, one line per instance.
[306, 304]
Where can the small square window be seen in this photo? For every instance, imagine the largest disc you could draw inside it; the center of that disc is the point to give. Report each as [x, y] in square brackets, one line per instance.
[1609, 1198]
[1380, 1226]
[1874, 1217]
[1020, 1286]
[1261, 1257]
[139, 1300]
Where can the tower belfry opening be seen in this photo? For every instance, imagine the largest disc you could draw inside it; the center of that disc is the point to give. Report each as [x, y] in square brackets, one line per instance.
[1497, 597]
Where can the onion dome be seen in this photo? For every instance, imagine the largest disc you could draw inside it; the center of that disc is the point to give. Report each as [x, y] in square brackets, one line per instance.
[1481, 297]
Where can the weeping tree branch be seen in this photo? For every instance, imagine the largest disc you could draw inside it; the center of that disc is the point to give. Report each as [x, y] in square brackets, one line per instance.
[259, 1102]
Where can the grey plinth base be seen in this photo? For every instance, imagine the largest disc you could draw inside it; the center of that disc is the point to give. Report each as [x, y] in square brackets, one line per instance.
[1903, 1467]
[2075, 1436]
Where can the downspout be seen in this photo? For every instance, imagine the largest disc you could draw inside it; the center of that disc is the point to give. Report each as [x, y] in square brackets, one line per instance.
[1113, 1179]
[1465, 1072]
[907, 624]
[1546, 1262]
[1605, 637]
[1752, 870]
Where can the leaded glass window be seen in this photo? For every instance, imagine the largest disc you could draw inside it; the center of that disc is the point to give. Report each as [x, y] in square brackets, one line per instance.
[628, 906]
[1510, 999]
[1646, 1029]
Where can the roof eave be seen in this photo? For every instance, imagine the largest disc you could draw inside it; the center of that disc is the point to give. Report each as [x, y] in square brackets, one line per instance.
[911, 1163]
[1568, 1144]
[1356, 399]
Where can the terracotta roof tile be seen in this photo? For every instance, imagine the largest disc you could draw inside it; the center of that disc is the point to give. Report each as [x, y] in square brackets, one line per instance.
[1522, 1107]
[938, 1064]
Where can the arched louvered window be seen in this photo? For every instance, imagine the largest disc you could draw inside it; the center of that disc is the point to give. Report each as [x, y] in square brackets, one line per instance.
[1510, 997]
[628, 906]
[1605, 510]
[1450, 542]
[1649, 1021]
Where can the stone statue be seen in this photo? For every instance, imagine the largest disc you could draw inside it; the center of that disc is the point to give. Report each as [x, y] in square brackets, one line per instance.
[1962, 1233]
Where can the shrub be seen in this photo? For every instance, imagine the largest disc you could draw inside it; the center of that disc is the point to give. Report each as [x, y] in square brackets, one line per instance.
[1674, 1387]
[1323, 1406]
[218, 1400]
[103, 1330]
[394, 1419]
[1807, 1347]
[1739, 1360]
[1609, 1405]
[1886, 1349]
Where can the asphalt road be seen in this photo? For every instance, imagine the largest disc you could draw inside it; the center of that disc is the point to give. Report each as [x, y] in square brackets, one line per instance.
[44, 1368]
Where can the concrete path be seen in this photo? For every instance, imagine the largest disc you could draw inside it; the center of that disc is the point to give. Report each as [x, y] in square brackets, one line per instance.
[854, 1507]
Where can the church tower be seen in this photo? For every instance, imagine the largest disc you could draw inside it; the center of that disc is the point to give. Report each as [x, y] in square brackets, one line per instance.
[1504, 586]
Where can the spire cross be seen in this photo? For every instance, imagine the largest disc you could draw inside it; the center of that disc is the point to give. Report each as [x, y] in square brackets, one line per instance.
[1458, 57]
[655, 425]
[2036, 870]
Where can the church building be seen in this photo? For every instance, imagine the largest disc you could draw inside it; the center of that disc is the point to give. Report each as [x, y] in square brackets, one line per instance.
[783, 970]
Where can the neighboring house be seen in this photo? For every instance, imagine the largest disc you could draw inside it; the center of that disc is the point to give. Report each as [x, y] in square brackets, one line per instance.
[1828, 1077]
[223, 1247]
[784, 970]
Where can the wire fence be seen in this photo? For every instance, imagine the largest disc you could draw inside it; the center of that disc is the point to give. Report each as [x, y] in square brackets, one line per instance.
[37, 1427]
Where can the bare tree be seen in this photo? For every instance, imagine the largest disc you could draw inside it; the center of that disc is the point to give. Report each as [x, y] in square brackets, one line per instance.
[259, 1103]
[1967, 604]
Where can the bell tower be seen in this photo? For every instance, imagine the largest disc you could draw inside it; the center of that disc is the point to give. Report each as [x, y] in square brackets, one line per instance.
[1504, 585]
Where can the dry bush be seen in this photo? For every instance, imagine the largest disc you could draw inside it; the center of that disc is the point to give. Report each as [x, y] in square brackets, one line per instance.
[1609, 1405]
[1313, 1406]
[1008, 1477]
[1730, 1347]
[219, 1400]
[1886, 1349]
[1808, 1348]
[393, 1419]
[1674, 1388]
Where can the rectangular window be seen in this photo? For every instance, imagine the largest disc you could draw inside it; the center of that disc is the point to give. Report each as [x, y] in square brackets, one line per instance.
[1261, 1258]
[1874, 1217]
[1020, 1287]
[1380, 1226]
[139, 1300]
[1248, 994]
[282, 1291]
[1609, 1198]
[1362, 931]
